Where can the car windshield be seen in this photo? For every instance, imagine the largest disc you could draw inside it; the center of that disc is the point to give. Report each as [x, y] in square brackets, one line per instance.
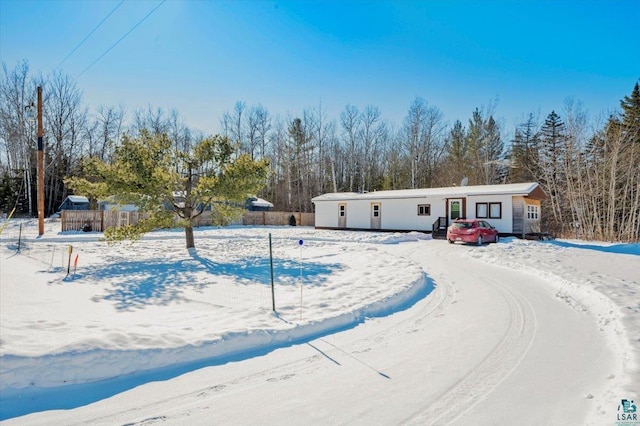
[462, 225]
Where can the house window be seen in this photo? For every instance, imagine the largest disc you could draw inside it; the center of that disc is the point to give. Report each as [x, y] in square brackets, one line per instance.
[489, 210]
[424, 209]
[376, 210]
[495, 210]
[481, 210]
[532, 212]
[342, 210]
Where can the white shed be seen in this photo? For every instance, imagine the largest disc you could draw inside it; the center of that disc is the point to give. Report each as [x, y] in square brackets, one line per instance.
[514, 209]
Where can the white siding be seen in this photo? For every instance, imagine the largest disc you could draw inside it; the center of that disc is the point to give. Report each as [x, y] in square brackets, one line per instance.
[327, 215]
[358, 214]
[402, 214]
[396, 214]
[505, 223]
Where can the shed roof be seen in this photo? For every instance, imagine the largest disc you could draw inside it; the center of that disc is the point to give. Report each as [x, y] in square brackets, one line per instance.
[525, 189]
[259, 202]
[78, 199]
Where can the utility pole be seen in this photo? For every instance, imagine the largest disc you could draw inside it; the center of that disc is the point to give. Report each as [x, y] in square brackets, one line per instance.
[40, 167]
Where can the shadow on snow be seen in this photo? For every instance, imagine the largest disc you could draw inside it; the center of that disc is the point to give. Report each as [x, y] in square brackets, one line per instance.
[159, 282]
[633, 249]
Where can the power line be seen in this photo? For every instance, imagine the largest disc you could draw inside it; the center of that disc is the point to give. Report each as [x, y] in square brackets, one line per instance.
[89, 35]
[121, 38]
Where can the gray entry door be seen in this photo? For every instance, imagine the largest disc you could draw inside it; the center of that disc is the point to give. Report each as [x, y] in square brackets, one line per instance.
[376, 215]
[342, 215]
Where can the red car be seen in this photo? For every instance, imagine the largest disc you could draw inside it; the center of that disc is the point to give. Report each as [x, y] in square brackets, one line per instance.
[473, 231]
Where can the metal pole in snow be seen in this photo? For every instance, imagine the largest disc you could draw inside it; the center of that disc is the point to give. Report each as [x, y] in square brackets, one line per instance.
[300, 242]
[69, 262]
[19, 237]
[273, 294]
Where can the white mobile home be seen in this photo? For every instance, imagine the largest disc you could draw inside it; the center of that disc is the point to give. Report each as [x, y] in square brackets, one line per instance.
[514, 209]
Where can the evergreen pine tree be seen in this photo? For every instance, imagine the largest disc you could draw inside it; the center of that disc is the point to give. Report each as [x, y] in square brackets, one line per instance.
[474, 139]
[458, 151]
[552, 139]
[551, 164]
[492, 153]
[485, 149]
[524, 153]
[631, 115]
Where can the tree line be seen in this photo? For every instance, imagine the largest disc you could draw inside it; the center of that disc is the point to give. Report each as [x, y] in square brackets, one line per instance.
[589, 169]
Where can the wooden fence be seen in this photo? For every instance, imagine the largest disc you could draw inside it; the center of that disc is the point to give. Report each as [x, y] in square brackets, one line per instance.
[278, 218]
[99, 220]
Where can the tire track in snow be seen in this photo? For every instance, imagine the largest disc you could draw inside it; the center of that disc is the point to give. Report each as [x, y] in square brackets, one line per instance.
[497, 365]
[204, 398]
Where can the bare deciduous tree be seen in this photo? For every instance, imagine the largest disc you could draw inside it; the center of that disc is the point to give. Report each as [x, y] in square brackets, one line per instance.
[424, 135]
[107, 128]
[17, 90]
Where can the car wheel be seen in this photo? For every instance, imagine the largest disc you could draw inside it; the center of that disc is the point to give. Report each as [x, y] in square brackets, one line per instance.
[497, 238]
[451, 241]
[479, 242]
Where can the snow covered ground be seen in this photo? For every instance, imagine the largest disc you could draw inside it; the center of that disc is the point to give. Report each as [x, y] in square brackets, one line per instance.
[369, 328]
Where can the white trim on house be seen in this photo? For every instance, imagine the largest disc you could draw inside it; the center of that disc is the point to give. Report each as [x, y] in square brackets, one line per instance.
[504, 205]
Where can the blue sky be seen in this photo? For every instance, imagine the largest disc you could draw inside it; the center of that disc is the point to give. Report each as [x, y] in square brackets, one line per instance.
[200, 57]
